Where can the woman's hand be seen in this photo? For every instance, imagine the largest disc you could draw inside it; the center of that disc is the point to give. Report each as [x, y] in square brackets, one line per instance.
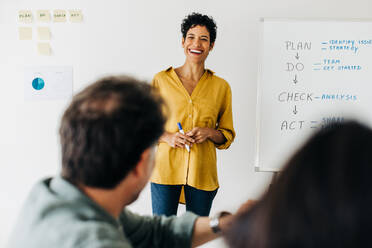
[177, 139]
[200, 134]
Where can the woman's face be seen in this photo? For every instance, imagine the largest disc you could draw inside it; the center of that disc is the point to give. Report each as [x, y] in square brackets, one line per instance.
[197, 44]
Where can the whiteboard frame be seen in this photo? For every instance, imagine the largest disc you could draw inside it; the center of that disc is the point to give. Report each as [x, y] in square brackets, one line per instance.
[257, 167]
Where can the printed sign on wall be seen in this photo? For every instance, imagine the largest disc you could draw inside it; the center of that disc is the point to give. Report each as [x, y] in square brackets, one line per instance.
[48, 83]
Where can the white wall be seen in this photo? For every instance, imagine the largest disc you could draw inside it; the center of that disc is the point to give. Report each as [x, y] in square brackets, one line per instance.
[141, 38]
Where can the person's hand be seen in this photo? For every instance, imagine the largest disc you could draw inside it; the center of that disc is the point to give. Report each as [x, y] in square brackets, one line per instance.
[178, 140]
[199, 134]
[226, 221]
[246, 206]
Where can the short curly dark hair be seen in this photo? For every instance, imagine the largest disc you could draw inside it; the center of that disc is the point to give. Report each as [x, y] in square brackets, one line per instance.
[106, 128]
[195, 19]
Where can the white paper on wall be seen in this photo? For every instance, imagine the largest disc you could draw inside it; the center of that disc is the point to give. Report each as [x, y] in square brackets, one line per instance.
[48, 83]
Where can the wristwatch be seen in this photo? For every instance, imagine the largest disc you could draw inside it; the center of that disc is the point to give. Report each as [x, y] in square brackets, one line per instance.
[214, 223]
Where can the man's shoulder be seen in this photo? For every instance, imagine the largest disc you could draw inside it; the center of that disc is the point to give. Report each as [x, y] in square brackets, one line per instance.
[67, 235]
[50, 220]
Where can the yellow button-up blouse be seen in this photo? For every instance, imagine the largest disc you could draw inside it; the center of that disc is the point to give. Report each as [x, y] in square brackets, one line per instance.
[208, 106]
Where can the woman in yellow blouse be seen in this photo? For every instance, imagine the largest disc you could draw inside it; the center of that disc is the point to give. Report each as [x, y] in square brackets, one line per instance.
[201, 102]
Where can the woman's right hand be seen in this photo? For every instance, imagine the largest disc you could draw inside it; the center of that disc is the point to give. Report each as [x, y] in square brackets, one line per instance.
[177, 140]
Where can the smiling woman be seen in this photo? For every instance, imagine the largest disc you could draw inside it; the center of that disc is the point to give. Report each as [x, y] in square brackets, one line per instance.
[201, 102]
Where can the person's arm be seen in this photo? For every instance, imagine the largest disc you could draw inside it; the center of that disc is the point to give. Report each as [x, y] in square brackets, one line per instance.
[225, 121]
[203, 231]
[216, 136]
[188, 230]
[158, 231]
[200, 134]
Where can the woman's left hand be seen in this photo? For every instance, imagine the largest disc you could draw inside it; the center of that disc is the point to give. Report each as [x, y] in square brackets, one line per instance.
[199, 134]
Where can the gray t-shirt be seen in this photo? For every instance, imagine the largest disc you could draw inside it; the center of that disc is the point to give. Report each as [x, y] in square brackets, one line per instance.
[57, 214]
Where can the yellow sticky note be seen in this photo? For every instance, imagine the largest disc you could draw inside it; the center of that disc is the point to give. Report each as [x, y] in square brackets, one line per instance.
[43, 15]
[76, 16]
[44, 49]
[59, 15]
[43, 33]
[25, 16]
[25, 33]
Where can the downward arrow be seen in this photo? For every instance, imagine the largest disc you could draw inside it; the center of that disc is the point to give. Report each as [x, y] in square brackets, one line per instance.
[297, 57]
[295, 110]
[295, 80]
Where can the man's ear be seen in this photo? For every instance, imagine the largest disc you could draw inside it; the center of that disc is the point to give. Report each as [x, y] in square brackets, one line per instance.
[141, 167]
[183, 42]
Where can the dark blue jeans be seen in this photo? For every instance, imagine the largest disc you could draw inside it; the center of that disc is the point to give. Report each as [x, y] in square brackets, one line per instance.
[165, 199]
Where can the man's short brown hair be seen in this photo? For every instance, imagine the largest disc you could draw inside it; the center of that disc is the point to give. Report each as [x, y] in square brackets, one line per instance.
[106, 128]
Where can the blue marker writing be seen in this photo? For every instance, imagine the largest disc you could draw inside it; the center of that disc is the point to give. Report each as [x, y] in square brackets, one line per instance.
[181, 131]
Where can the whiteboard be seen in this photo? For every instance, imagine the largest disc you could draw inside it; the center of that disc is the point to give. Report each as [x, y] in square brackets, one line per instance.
[311, 73]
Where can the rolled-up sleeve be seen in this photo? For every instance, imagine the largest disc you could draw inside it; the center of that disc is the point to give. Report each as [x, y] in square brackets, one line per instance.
[225, 121]
[158, 231]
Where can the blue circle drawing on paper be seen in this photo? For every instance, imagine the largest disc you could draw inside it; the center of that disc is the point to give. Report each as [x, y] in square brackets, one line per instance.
[38, 83]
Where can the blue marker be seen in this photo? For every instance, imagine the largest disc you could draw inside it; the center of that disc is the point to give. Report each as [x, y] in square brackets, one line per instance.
[181, 131]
